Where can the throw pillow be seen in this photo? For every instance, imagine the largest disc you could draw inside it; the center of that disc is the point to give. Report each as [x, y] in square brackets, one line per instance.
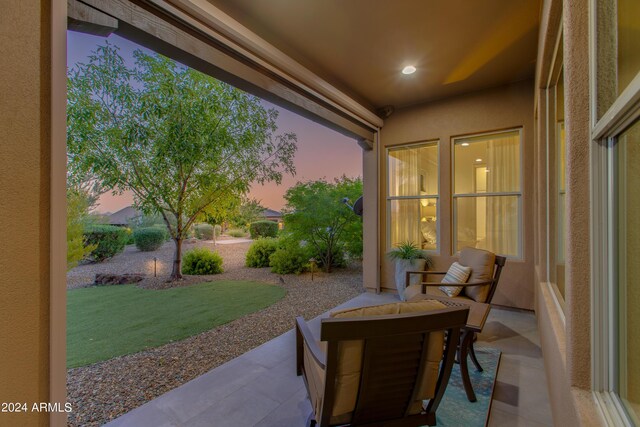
[457, 273]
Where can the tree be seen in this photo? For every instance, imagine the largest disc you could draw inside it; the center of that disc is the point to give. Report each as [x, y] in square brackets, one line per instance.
[315, 213]
[77, 210]
[182, 142]
[249, 210]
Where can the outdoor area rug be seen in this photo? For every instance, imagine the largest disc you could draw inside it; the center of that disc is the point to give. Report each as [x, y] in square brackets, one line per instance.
[455, 410]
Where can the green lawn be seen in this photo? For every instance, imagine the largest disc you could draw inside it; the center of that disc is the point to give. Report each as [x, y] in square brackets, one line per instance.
[109, 321]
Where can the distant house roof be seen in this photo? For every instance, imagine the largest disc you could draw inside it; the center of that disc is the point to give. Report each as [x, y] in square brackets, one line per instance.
[270, 213]
[123, 216]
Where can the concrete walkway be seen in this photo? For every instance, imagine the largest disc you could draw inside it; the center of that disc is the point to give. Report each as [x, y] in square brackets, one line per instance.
[260, 388]
[230, 241]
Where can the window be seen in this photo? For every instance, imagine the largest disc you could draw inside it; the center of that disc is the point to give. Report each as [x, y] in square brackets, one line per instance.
[615, 160]
[628, 15]
[412, 195]
[560, 184]
[487, 193]
[626, 177]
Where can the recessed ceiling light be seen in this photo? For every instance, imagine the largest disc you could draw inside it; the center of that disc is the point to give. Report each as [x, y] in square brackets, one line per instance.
[465, 144]
[409, 69]
[478, 160]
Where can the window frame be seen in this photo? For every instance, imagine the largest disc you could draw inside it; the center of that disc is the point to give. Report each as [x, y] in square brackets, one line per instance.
[605, 130]
[519, 194]
[551, 137]
[389, 198]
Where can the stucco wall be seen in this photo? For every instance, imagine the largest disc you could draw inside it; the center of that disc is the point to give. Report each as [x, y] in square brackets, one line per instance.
[488, 110]
[577, 294]
[24, 207]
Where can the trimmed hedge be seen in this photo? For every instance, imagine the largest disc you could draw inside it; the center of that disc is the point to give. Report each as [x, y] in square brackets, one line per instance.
[201, 261]
[203, 231]
[263, 229]
[130, 239]
[149, 238]
[260, 251]
[164, 229]
[110, 240]
[236, 232]
[290, 258]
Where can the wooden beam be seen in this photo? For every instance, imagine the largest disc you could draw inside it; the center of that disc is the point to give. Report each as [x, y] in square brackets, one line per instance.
[85, 19]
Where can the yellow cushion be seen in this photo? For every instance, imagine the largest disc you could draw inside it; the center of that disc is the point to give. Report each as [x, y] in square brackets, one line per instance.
[350, 355]
[413, 291]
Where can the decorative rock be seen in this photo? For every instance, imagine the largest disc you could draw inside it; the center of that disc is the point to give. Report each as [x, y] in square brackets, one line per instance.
[117, 279]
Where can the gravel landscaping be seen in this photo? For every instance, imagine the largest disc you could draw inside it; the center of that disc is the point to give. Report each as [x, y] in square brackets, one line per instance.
[105, 390]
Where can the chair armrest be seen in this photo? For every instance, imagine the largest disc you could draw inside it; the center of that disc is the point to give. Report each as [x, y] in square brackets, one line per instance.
[305, 337]
[425, 284]
[424, 273]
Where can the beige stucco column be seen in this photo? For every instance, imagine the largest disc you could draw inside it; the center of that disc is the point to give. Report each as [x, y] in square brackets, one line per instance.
[25, 46]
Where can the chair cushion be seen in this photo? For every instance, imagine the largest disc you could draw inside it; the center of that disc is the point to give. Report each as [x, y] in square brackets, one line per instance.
[350, 354]
[414, 293]
[457, 273]
[482, 263]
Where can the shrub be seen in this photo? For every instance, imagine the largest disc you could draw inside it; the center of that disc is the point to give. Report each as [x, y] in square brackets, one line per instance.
[236, 232]
[130, 238]
[218, 229]
[201, 261]
[149, 238]
[263, 229]
[165, 231]
[289, 258]
[260, 251]
[338, 256]
[110, 240]
[204, 231]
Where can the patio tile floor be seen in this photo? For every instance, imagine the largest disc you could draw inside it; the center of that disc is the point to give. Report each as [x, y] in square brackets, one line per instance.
[261, 388]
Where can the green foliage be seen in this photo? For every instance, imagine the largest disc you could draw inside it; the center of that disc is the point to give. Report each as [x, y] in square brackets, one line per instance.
[316, 214]
[408, 250]
[145, 221]
[149, 239]
[109, 321]
[130, 239]
[109, 240]
[249, 210]
[263, 229]
[236, 232]
[164, 229]
[260, 251]
[77, 249]
[202, 261]
[204, 231]
[186, 144]
[338, 257]
[289, 258]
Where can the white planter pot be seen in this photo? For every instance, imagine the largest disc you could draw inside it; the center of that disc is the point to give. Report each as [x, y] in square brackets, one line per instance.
[404, 265]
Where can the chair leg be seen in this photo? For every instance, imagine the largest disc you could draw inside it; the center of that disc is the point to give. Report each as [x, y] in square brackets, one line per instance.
[311, 422]
[474, 359]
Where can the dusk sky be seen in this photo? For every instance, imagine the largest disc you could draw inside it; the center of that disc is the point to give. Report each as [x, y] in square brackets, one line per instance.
[322, 152]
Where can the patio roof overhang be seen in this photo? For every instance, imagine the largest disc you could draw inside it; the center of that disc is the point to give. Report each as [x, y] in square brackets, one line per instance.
[205, 38]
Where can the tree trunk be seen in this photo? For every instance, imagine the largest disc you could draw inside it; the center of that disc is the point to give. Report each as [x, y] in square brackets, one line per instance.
[329, 263]
[176, 272]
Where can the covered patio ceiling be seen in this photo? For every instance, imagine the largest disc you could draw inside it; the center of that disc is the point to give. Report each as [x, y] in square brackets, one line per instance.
[361, 46]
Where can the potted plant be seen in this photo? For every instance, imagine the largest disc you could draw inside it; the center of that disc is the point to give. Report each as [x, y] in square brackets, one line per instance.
[408, 257]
